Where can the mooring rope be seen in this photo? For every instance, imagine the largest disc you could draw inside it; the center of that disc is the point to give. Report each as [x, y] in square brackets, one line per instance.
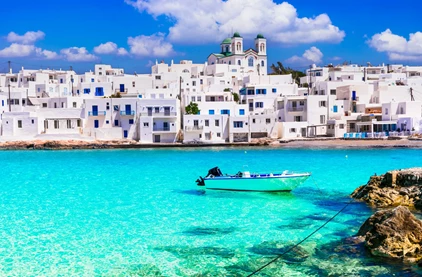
[303, 240]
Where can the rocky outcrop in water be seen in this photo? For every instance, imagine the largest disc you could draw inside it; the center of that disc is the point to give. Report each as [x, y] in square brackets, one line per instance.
[394, 233]
[394, 188]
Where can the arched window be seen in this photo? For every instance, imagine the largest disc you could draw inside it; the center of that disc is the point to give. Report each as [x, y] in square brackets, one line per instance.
[238, 62]
[230, 62]
[250, 61]
[262, 47]
[262, 63]
[239, 46]
[227, 48]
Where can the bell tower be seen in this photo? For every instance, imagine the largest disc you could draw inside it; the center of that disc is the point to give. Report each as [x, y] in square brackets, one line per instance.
[237, 44]
[261, 45]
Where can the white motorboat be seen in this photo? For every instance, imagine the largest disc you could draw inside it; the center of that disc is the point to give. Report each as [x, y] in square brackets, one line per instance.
[246, 181]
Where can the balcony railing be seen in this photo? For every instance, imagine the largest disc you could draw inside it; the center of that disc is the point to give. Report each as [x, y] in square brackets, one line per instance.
[161, 129]
[159, 114]
[117, 90]
[99, 113]
[194, 128]
[295, 109]
[127, 112]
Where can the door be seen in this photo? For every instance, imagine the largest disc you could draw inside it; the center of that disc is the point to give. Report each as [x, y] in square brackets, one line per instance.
[303, 132]
[116, 123]
[95, 111]
[122, 87]
[128, 109]
[96, 124]
[125, 133]
[166, 126]
[157, 138]
[353, 95]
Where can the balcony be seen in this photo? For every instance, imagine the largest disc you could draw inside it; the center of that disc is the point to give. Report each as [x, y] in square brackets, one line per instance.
[193, 128]
[160, 114]
[161, 129]
[117, 90]
[127, 113]
[296, 109]
[98, 113]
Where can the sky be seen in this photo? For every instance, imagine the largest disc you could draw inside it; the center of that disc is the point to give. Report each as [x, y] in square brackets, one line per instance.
[134, 34]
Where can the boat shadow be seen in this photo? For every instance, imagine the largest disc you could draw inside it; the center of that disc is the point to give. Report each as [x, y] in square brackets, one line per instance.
[237, 194]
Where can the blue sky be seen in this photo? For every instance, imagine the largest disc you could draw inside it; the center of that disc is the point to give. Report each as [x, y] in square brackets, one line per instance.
[134, 33]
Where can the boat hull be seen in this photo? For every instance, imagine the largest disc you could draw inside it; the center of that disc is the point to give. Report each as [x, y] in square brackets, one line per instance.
[261, 184]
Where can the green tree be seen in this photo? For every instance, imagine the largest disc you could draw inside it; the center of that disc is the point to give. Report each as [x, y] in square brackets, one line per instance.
[192, 108]
[279, 69]
[236, 97]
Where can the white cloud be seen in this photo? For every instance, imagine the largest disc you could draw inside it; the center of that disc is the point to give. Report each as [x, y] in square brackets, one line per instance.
[106, 48]
[397, 47]
[122, 52]
[312, 55]
[16, 50]
[335, 58]
[154, 45]
[78, 54]
[203, 21]
[27, 38]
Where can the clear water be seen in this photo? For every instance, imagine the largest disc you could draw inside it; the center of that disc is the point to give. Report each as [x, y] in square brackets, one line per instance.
[139, 213]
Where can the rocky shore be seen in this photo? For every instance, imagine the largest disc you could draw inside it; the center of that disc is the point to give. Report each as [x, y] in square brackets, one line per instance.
[393, 232]
[317, 143]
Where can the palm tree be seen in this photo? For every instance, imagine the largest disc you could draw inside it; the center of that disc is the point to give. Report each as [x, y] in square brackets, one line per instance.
[279, 69]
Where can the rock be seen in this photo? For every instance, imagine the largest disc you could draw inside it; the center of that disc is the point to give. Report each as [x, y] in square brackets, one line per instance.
[394, 188]
[394, 233]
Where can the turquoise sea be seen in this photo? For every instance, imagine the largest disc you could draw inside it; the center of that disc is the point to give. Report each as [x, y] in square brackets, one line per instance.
[139, 213]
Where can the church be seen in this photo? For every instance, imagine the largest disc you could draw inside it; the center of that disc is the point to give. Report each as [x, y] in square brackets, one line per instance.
[249, 61]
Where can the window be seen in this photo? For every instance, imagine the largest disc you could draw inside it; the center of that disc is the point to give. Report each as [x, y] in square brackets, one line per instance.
[301, 103]
[211, 112]
[218, 135]
[253, 120]
[335, 108]
[193, 99]
[87, 90]
[99, 91]
[68, 124]
[157, 77]
[322, 103]
[156, 109]
[241, 112]
[107, 122]
[130, 121]
[274, 90]
[133, 84]
[44, 105]
[262, 63]
[386, 111]
[198, 98]
[116, 123]
[239, 62]
[225, 112]
[207, 122]
[250, 61]
[332, 92]
[19, 123]
[56, 124]
[2, 103]
[261, 91]
[352, 126]
[341, 126]
[61, 81]
[292, 130]
[297, 118]
[238, 124]
[259, 104]
[74, 104]
[92, 80]
[32, 121]
[146, 124]
[217, 123]
[193, 83]
[322, 119]
[268, 120]
[79, 123]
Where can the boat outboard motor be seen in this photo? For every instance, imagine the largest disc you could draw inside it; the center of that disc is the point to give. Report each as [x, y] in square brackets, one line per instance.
[215, 172]
[200, 182]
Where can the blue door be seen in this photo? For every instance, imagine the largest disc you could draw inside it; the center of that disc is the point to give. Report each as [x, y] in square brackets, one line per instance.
[125, 133]
[128, 109]
[116, 123]
[335, 109]
[122, 87]
[94, 110]
[96, 123]
[353, 95]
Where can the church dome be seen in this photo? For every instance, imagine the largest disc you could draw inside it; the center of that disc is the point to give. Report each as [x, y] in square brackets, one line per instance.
[260, 36]
[227, 41]
[236, 35]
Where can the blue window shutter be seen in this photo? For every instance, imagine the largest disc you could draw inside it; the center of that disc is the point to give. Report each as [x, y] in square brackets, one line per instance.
[265, 91]
[274, 90]
[335, 109]
[257, 91]
[211, 112]
[242, 112]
